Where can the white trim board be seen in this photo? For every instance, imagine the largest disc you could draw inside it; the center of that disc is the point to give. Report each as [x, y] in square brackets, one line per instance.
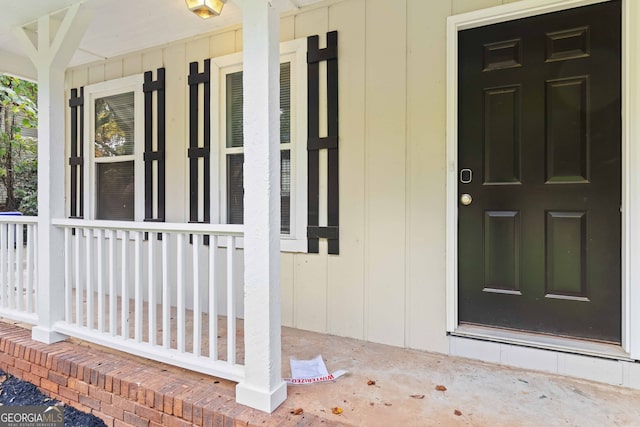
[630, 151]
[605, 370]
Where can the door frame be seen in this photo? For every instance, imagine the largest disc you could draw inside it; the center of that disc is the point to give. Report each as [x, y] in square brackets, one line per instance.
[630, 250]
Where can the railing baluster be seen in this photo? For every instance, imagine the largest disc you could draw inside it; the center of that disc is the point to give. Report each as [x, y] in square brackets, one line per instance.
[113, 294]
[138, 286]
[124, 297]
[30, 266]
[180, 308]
[89, 277]
[35, 268]
[137, 263]
[166, 298]
[19, 267]
[213, 309]
[11, 265]
[4, 244]
[68, 278]
[100, 272]
[151, 285]
[231, 306]
[197, 315]
[78, 277]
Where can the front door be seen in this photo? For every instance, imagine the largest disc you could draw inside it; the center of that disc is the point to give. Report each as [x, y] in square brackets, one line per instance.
[539, 152]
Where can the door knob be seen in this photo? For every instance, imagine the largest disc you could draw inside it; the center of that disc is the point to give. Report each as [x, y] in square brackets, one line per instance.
[466, 199]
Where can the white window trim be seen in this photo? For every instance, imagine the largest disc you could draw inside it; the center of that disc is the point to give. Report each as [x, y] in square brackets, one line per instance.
[99, 90]
[295, 52]
[630, 313]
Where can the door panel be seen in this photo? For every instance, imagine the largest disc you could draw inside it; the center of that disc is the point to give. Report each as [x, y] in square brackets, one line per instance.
[539, 126]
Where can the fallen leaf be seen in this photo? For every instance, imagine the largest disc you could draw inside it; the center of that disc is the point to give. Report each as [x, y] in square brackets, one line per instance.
[458, 413]
[418, 396]
[441, 388]
[387, 404]
[298, 411]
[371, 382]
[371, 403]
[337, 410]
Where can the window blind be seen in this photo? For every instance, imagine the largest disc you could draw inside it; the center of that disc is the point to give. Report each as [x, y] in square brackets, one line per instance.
[234, 139]
[114, 125]
[234, 103]
[116, 193]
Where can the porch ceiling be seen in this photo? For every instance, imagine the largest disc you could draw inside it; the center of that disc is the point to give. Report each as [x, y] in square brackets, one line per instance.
[118, 26]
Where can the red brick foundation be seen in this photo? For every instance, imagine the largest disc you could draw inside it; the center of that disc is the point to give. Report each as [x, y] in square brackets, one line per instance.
[128, 391]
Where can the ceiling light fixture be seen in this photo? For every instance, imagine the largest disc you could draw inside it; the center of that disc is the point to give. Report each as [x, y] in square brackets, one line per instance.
[205, 8]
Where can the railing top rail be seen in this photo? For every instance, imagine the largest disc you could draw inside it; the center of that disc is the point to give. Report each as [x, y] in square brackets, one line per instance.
[153, 227]
[18, 219]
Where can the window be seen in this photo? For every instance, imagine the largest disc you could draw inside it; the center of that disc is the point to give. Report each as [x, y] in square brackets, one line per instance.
[113, 149]
[234, 149]
[293, 115]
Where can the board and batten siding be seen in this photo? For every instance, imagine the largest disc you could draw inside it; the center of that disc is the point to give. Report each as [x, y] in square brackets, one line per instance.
[388, 283]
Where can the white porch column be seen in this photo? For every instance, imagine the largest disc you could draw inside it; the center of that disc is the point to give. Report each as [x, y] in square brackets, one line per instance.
[50, 53]
[263, 387]
[631, 185]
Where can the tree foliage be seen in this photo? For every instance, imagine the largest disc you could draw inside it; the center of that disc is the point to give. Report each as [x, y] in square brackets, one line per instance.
[18, 153]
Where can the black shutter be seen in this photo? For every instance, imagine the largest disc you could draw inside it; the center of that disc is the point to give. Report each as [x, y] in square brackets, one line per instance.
[150, 155]
[330, 143]
[76, 162]
[196, 152]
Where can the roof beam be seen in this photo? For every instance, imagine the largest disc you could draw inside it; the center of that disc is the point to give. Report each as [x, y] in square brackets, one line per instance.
[55, 50]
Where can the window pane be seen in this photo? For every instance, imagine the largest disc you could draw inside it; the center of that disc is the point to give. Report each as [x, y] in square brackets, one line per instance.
[234, 110]
[285, 103]
[285, 192]
[234, 107]
[114, 123]
[115, 191]
[235, 190]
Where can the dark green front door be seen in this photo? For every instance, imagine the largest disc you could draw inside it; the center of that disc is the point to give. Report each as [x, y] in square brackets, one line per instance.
[539, 153]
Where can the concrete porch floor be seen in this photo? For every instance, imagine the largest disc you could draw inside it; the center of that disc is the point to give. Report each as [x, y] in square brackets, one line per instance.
[126, 390]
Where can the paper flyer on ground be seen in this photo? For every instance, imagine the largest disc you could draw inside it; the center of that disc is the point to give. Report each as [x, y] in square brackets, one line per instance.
[311, 371]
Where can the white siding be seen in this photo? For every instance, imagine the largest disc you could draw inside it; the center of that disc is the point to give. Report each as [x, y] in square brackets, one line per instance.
[388, 283]
[310, 271]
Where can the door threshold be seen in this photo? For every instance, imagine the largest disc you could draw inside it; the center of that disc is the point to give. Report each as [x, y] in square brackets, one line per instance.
[543, 341]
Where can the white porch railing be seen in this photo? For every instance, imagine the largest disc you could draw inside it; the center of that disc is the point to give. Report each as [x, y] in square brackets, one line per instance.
[168, 292]
[18, 251]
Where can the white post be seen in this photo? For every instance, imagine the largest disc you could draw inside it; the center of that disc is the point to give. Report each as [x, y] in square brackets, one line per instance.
[631, 185]
[50, 53]
[262, 387]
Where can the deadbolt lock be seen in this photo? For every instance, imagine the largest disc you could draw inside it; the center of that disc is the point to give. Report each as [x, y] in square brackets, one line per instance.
[466, 176]
[466, 199]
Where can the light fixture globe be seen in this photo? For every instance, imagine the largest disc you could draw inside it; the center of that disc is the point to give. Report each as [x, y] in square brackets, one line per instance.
[205, 8]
